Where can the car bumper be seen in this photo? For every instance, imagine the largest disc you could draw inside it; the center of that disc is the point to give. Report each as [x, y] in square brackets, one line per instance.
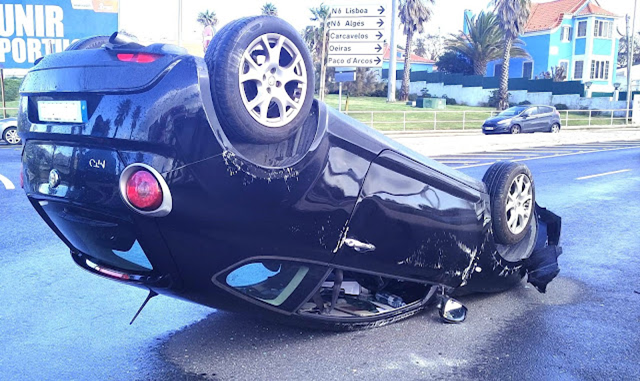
[495, 129]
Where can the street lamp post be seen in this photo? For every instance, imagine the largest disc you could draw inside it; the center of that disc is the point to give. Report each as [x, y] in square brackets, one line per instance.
[630, 46]
[393, 52]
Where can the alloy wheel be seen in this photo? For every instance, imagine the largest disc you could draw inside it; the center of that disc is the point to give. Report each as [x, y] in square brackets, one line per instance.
[519, 204]
[273, 80]
[11, 136]
[515, 130]
[555, 128]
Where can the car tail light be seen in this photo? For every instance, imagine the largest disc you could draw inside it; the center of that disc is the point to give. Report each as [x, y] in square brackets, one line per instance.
[144, 191]
[21, 175]
[141, 58]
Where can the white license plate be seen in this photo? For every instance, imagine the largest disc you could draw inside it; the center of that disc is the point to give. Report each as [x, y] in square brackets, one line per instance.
[62, 111]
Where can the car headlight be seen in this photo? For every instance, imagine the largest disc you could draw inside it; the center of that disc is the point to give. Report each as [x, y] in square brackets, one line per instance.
[504, 122]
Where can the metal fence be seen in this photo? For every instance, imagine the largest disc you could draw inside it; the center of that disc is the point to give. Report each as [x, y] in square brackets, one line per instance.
[473, 119]
[8, 112]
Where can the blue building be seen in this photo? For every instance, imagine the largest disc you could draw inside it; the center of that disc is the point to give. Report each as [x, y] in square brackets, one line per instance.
[576, 34]
[418, 63]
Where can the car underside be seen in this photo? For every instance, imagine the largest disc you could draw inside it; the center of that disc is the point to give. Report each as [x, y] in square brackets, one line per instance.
[225, 183]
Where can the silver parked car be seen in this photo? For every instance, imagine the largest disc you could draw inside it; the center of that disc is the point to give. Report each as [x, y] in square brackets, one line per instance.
[9, 131]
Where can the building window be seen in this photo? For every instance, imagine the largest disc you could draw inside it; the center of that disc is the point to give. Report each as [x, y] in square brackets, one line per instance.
[578, 70]
[582, 29]
[497, 72]
[603, 29]
[599, 70]
[527, 70]
[566, 33]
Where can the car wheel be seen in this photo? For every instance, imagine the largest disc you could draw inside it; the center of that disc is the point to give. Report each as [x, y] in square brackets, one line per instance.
[11, 136]
[512, 196]
[94, 42]
[515, 129]
[555, 128]
[262, 79]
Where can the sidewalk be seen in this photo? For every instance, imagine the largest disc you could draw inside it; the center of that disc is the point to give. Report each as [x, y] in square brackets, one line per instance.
[433, 144]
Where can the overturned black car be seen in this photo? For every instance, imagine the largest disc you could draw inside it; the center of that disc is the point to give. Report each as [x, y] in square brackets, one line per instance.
[223, 182]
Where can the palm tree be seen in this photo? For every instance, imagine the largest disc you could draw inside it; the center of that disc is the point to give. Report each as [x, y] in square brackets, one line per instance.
[269, 10]
[512, 16]
[483, 43]
[316, 37]
[208, 18]
[413, 14]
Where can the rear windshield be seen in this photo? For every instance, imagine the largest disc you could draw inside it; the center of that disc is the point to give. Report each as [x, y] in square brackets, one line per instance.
[513, 111]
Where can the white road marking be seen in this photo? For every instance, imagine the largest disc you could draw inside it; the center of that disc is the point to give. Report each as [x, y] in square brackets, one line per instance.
[7, 183]
[553, 156]
[603, 174]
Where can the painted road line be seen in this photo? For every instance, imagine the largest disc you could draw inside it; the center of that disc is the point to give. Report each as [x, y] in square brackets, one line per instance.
[458, 162]
[603, 174]
[551, 156]
[476, 158]
[7, 183]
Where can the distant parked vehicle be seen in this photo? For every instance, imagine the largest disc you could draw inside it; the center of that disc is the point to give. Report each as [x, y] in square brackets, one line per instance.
[9, 131]
[524, 119]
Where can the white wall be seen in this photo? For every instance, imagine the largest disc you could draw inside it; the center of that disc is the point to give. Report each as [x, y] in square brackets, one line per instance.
[477, 96]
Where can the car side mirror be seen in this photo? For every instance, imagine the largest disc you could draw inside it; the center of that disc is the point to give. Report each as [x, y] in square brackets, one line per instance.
[452, 311]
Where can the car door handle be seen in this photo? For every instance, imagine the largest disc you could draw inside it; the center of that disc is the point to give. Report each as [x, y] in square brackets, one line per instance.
[359, 246]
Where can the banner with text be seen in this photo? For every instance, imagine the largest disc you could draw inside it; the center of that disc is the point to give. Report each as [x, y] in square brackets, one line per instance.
[30, 29]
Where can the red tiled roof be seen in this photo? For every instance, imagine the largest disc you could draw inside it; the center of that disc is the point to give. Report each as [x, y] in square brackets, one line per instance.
[545, 16]
[414, 57]
[593, 9]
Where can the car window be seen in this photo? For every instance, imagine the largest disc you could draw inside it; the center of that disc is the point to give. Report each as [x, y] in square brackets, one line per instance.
[546, 110]
[531, 111]
[512, 111]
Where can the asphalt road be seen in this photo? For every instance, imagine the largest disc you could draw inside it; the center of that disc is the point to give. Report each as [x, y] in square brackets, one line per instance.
[59, 322]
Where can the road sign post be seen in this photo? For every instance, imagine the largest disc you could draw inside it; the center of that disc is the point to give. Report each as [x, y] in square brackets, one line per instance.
[357, 34]
[343, 75]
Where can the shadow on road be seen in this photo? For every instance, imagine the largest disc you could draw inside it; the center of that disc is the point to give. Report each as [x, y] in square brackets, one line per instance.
[236, 347]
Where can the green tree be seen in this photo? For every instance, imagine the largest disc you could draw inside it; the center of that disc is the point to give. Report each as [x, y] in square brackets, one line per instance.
[454, 63]
[512, 16]
[413, 15]
[420, 49]
[316, 37]
[484, 42]
[269, 10]
[208, 18]
[623, 51]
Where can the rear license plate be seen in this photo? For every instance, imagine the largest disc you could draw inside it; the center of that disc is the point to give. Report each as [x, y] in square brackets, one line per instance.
[62, 111]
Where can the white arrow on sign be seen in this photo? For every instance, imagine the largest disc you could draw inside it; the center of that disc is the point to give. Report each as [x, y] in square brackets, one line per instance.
[356, 23]
[358, 11]
[351, 48]
[356, 36]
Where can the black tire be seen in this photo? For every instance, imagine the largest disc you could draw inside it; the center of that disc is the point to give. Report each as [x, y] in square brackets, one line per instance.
[94, 42]
[6, 133]
[498, 179]
[556, 127]
[224, 57]
[515, 129]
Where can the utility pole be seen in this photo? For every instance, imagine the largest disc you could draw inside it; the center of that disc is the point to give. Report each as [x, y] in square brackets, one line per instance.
[393, 53]
[630, 48]
[179, 22]
[323, 65]
[4, 105]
